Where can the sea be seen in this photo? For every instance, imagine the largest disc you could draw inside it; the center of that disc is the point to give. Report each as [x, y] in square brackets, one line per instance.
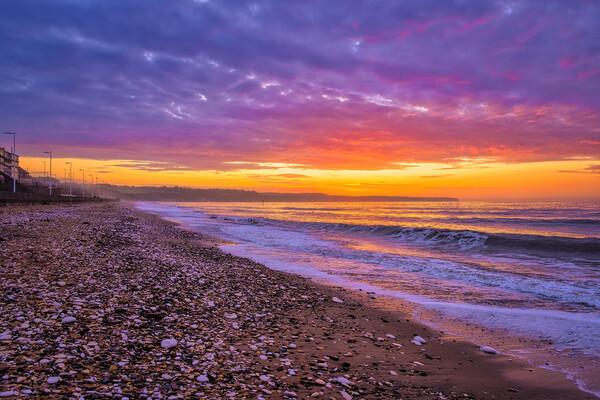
[522, 277]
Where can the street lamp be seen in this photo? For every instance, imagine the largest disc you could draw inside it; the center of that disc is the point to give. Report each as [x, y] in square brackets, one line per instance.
[70, 177]
[49, 152]
[14, 157]
[83, 180]
[92, 183]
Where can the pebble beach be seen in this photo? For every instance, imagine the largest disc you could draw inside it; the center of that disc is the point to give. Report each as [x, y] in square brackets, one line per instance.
[105, 301]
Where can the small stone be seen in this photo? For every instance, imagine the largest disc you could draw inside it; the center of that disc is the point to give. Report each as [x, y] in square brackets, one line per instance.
[290, 394]
[231, 316]
[113, 368]
[393, 373]
[345, 395]
[168, 343]
[9, 393]
[202, 378]
[166, 377]
[488, 349]
[343, 381]
[320, 382]
[337, 300]
[53, 379]
[419, 339]
[68, 320]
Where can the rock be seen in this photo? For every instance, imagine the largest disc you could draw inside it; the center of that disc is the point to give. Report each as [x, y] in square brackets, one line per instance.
[231, 316]
[168, 343]
[53, 379]
[290, 394]
[488, 349]
[393, 373]
[343, 381]
[202, 378]
[345, 395]
[320, 382]
[420, 339]
[336, 300]
[166, 377]
[68, 320]
[9, 393]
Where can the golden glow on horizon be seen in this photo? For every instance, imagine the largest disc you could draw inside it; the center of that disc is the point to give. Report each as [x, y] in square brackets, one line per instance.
[486, 181]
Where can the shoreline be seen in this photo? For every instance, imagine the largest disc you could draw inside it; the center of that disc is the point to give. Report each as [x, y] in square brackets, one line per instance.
[283, 336]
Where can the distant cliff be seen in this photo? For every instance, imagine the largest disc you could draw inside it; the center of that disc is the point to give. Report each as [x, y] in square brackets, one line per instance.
[164, 193]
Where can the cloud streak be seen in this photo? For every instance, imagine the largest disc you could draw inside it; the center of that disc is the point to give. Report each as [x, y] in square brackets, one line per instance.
[330, 85]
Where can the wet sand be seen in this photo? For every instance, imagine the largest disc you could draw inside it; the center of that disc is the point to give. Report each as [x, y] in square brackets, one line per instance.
[104, 301]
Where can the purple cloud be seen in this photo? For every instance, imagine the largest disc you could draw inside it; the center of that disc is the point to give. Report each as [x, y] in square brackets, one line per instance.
[337, 84]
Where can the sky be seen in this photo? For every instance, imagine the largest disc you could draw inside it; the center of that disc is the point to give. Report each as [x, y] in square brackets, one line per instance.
[472, 99]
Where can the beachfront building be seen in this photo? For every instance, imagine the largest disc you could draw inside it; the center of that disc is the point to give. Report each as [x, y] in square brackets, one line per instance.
[6, 164]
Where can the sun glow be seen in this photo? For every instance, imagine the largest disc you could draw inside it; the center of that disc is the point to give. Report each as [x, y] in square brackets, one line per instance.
[485, 181]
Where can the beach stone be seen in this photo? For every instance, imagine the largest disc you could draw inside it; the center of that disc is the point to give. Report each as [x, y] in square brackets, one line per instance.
[168, 343]
[345, 395]
[68, 320]
[488, 349]
[202, 378]
[320, 381]
[53, 379]
[420, 339]
[337, 300]
[343, 381]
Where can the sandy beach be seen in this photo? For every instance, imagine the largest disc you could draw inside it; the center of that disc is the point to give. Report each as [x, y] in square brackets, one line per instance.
[105, 301]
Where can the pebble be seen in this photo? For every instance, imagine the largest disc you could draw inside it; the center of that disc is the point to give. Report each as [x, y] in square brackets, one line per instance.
[319, 381]
[488, 349]
[202, 378]
[345, 395]
[343, 381]
[168, 343]
[290, 394]
[9, 393]
[337, 300]
[53, 379]
[68, 320]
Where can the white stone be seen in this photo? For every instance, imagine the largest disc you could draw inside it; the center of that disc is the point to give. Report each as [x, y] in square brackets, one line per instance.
[168, 343]
[343, 381]
[393, 373]
[488, 349]
[420, 339]
[336, 300]
[345, 395]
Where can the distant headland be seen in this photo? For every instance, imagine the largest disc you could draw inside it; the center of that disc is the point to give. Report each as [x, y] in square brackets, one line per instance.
[164, 193]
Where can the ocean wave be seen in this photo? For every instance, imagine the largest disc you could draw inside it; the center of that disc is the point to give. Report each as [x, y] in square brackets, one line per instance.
[474, 240]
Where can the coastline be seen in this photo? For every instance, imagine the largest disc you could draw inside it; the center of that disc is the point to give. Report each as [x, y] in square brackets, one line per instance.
[131, 280]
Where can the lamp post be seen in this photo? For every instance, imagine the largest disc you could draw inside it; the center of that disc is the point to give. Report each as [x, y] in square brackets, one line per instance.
[14, 157]
[83, 180]
[70, 177]
[92, 183]
[49, 152]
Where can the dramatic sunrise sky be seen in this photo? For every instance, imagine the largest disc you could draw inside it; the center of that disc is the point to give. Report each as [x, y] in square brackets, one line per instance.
[473, 99]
